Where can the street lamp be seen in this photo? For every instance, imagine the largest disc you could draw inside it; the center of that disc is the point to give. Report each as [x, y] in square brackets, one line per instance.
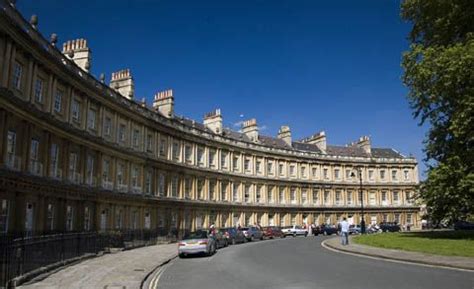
[362, 221]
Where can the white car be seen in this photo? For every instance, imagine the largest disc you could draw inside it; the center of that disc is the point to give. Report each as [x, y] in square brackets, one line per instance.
[294, 231]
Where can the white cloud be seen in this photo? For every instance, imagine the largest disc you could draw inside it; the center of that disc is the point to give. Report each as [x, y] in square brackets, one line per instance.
[239, 123]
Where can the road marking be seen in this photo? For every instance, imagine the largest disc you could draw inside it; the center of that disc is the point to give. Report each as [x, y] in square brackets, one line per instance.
[156, 278]
[323, 244]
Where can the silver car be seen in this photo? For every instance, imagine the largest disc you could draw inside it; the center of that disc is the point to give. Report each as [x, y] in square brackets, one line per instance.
[196, 243]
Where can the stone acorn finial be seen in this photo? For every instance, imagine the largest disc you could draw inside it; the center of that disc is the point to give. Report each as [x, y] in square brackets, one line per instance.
[53, 39]
[102, 77]
[34, 20]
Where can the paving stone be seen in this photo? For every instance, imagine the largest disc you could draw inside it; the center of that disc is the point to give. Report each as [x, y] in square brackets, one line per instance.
[122, 270]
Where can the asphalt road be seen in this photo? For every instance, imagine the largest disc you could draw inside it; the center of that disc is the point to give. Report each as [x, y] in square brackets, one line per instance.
[302, 263]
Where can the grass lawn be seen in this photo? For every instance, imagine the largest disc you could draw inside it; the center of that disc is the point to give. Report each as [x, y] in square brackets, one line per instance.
[450, 243]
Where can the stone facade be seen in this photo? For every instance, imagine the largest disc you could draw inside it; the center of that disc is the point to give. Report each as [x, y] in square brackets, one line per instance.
[79, 155]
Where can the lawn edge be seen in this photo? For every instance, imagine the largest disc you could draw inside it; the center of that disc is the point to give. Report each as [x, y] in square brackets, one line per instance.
[327, 245]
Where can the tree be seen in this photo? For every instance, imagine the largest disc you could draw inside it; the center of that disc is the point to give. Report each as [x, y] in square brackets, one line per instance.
[439, 72]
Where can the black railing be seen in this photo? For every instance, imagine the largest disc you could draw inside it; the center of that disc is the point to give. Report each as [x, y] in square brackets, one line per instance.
[23, 256]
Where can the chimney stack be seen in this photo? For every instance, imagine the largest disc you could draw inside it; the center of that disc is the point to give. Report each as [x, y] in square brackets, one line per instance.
[78, 52]
[285, 134]
[364, 143]
[250, 129]
[318, 139]
[164, 103]
[122, 82]
[213, 121]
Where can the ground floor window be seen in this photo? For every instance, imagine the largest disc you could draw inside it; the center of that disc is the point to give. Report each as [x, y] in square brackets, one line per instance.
[4, 214]
[87, 219]
[147, 225]
[69, 218]
[50, 217]
[29, 217]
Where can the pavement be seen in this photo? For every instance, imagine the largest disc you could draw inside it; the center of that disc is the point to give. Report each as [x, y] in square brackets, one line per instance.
[465, 263]
[122, 270]
[302, 263]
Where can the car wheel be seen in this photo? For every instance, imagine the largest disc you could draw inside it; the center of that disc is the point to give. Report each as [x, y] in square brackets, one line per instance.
[181, 255]
[306, 234]
[294, 235]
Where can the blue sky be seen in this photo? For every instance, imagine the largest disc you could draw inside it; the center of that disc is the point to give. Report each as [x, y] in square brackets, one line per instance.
[312, 65]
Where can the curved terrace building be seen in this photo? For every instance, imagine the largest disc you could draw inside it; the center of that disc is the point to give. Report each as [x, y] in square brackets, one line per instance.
[79, 154]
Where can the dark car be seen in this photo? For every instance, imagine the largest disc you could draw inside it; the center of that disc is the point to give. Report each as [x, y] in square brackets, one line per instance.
[233, 235]
[271, 232]
[463, 225]
[389, 227]
[221, 240]
[252, 233]
[327, 230]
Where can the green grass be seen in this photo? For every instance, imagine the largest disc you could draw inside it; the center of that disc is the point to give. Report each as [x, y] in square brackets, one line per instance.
[448, 243]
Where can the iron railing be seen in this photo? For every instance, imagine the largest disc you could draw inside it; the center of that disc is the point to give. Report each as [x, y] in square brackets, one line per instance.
[25, 255]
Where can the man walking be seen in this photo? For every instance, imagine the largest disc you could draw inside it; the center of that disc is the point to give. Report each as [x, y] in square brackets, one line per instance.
[344, 232]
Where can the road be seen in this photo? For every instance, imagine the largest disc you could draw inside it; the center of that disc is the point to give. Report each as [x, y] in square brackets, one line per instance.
[302, 263]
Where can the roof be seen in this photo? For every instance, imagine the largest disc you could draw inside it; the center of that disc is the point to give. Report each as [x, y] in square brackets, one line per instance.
[274, 142]
[386, 153]
[346, 151]
[306, 147]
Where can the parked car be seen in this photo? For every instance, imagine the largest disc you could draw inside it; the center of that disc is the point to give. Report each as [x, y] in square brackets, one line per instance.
[252, 233]
[373, 228]
[327, 230]
[197, 242]
[221, 239]
[294, 231]
[389, 227]
[463, 225]
[233, 235]
[354, 229]
[271, 232]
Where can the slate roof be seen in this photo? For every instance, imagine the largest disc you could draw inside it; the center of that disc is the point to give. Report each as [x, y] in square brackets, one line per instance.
[306, 147]
[346, 151]
[386, 153]
[268, 141]
[273, 142]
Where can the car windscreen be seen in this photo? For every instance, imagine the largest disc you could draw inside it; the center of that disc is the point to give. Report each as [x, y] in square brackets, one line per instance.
[196, 235]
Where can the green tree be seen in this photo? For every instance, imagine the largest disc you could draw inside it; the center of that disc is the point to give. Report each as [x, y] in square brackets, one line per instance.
[439, 72]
